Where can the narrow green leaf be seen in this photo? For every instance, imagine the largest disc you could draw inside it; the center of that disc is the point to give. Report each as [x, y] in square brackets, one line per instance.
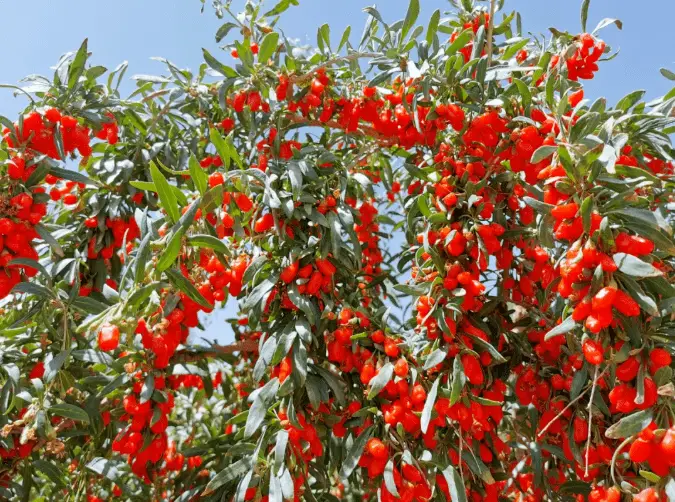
[70, 411]
[378, 382]
[77, 66]
[268, 46]
[429, 406]
[217, 65]
[455, 484]
[458, 380]
[208, 241]
[354, 454]
[171, 251]
[567, 325]
[584, 14]
[634, 266]
[630, 425]
[182, 283]
[199, 177]
[166, 195]
[432, 29]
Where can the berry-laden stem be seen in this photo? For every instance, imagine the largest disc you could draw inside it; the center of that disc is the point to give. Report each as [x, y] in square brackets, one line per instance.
[299, 79]
[491, 27]
[590, 416]
[569, 405]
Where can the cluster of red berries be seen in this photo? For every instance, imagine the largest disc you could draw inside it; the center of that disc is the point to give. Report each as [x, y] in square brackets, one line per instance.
[584, 62]
[18, 216]
[38, 130]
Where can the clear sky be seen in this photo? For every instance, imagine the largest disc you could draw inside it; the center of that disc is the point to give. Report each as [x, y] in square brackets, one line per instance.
[36, 32]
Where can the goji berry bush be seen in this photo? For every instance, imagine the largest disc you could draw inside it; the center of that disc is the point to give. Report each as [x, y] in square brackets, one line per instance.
[453, 275]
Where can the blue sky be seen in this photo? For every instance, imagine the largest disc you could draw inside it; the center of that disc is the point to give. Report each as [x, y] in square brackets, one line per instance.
[37, 32]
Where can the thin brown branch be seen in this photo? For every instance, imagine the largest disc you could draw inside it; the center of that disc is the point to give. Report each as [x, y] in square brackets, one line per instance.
[299, 79]
[590, 417]
[570, 404]
[491, 28]
[216, 351]
[363, 130]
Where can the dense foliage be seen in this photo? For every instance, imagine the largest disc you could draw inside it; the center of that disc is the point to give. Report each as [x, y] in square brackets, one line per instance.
[454, 274]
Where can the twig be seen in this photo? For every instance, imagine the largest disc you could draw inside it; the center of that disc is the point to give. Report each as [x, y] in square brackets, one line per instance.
[616, 454]
[491, 27]
[571, 403]
[218, 350]
[590, 417]
[361, 131]
[299, 79]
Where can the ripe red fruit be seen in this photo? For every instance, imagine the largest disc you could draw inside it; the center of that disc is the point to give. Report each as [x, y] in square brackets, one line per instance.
[593, 352]
[604, 298]
[15, 168]
[625, 304]
[243, 202]
[565, 211]
[70, 199]
[376, 448]
[108, 337]
[325, 267]
[658, 358]
[264, 223]
[640, 450]
[289, 273]
[401, 368]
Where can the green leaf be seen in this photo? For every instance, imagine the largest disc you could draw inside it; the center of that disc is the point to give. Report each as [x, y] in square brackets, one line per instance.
[107, 468]
[584, 14]
[199, 177]
[634, 266]
[458, 380]
[208, 241]
[606, 22]
[258, 409]
[217, 65]
[171, 251]
[221, 146]
[432, 29]
[668, 74]
[77, 66]
[166, 195]
[54, 365]
[540, 207]
[282, 6]
[224, 30]
[268, 47]
[630, 425]
[30, 288]
[564, 327]
[378, 382]
[543, 152]
[410, 17]
[354, 454]
[455, 484]
[586, 210]
[70, 411]
[46, 236]
[182, 283]
[142, 258]
[280, 450]
[50, 470]
[69, 174]
[429, 405]
[460, 42]
[435, 358]
[345, 37]
[389, 480]
[233, 471]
